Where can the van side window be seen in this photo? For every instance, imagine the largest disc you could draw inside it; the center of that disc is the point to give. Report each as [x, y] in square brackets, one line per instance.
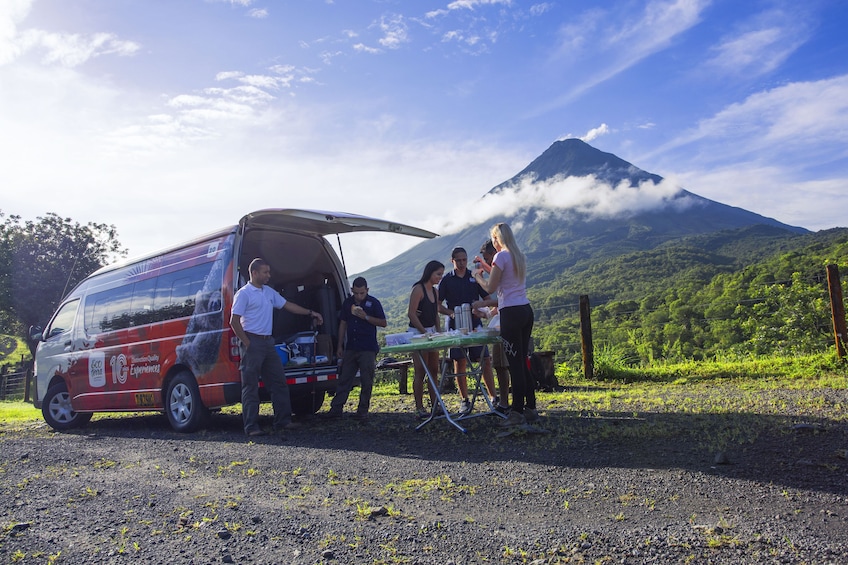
[63, 320]
[112, 308]
[157, 299]
[141, 310]
[176, 292]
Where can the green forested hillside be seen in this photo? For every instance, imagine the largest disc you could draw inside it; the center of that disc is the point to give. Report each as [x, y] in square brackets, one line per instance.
[701, 297]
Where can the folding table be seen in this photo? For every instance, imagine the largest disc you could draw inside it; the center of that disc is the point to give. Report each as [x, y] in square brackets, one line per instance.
[475, 371]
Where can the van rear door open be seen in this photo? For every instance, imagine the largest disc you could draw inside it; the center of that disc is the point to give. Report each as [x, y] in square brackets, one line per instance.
[326, 223]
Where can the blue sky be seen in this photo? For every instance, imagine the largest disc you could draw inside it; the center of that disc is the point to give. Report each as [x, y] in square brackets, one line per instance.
[173, 118]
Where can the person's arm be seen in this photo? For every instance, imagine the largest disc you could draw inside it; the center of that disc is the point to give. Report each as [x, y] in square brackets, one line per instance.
[491, 300]
[290, 306]
[491, 285]
[342, 335]
[483, 265]
[441, 308]
[235, 323]
[360, 313]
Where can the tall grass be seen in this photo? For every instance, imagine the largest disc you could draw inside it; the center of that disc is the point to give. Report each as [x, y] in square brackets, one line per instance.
[613, 364]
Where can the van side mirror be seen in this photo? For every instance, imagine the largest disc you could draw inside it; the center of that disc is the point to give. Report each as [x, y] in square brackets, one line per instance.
[35, 333]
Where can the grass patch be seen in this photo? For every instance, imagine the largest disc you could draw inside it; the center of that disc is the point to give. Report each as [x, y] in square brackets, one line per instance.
[18, 412]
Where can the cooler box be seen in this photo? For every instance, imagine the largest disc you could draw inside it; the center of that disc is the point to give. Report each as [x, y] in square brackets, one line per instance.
[305, 342]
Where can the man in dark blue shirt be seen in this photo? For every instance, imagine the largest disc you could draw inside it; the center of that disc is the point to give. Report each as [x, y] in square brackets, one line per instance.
[456, 288]
[361, 314]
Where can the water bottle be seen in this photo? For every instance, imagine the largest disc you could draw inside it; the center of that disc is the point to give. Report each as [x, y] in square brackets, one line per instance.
[466, 317]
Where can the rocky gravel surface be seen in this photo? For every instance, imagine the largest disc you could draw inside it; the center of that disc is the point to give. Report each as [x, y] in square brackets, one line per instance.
[600, 488]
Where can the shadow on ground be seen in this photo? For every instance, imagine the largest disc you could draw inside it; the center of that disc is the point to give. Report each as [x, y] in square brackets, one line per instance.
[783, 450]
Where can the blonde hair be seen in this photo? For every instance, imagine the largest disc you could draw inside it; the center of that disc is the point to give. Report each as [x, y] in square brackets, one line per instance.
[503, 233]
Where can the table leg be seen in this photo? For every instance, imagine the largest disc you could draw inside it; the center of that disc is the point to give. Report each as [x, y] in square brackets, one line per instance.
[403, 379]
[476, 375]
[440, 404]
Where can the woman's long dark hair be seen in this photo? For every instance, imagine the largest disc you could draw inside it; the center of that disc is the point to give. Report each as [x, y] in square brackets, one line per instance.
[429, 269]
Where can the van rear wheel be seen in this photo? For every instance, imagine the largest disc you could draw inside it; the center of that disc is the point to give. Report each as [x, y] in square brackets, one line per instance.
[186, 412]
[57, 411]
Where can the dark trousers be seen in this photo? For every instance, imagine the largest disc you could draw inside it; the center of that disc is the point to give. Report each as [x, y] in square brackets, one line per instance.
[366, 363]
[516, 327]
[261, 359]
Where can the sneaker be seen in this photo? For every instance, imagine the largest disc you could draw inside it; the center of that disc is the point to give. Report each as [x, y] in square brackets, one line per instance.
[531, 415]
[360, 416]
[465, 407]
[255, 433]
[503, 410]
[334, 414]
[422, 414]
[514, 419]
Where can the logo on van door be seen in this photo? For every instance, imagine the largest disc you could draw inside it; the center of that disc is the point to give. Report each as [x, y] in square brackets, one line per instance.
[96, 369]
[119, 369]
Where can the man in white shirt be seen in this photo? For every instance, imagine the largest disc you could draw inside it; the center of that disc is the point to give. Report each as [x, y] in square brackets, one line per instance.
[252, 320]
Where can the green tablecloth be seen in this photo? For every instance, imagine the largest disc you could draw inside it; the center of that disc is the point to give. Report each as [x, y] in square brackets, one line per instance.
[443, 341]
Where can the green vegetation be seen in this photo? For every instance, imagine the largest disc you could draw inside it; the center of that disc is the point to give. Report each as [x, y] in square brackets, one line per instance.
[674, 304]
[36, 271]
[13, 350]
[13, 412]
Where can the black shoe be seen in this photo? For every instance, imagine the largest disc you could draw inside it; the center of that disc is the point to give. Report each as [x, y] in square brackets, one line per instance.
[255, 433]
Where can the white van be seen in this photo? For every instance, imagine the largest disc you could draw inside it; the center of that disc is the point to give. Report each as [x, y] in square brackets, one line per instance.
[153, 333]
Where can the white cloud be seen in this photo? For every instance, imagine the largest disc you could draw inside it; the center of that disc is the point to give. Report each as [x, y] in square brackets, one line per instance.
[65, 49]
[595, 133]
[760, 46]
[258, 13]
[775, 192]
[541, 8]
[616, 40]
[472, 4]
[395, 31]
[12, 12]
[590, 135]
[801, 122]
[564, 195]
[362, 48]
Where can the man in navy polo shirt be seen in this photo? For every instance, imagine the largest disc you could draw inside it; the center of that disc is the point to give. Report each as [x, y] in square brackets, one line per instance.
[456, 288]
[360, 316]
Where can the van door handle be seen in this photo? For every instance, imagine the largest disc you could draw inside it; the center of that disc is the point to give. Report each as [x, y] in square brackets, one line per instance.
[68, 345]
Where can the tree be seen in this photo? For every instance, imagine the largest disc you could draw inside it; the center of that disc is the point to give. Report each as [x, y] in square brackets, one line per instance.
[42, 261]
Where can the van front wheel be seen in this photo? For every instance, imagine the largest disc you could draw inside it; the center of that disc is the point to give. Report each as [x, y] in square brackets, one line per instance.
[57, 411]
[186, 412]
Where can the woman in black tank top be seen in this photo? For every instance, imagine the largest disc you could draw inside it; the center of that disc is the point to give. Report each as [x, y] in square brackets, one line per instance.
[423, 314]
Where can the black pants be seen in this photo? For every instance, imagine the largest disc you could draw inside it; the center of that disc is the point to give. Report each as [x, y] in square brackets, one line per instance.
[516, 327]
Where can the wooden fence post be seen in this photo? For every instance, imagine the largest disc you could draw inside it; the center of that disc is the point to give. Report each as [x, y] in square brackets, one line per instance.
[586, 338]
[837, 309]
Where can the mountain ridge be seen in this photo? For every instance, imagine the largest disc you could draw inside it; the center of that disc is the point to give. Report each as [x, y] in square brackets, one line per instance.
[557, 240]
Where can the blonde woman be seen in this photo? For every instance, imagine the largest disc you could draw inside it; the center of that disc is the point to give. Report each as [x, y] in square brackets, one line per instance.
[508, 279]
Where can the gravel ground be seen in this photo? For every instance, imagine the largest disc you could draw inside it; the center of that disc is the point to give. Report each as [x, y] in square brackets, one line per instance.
[600, 488]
